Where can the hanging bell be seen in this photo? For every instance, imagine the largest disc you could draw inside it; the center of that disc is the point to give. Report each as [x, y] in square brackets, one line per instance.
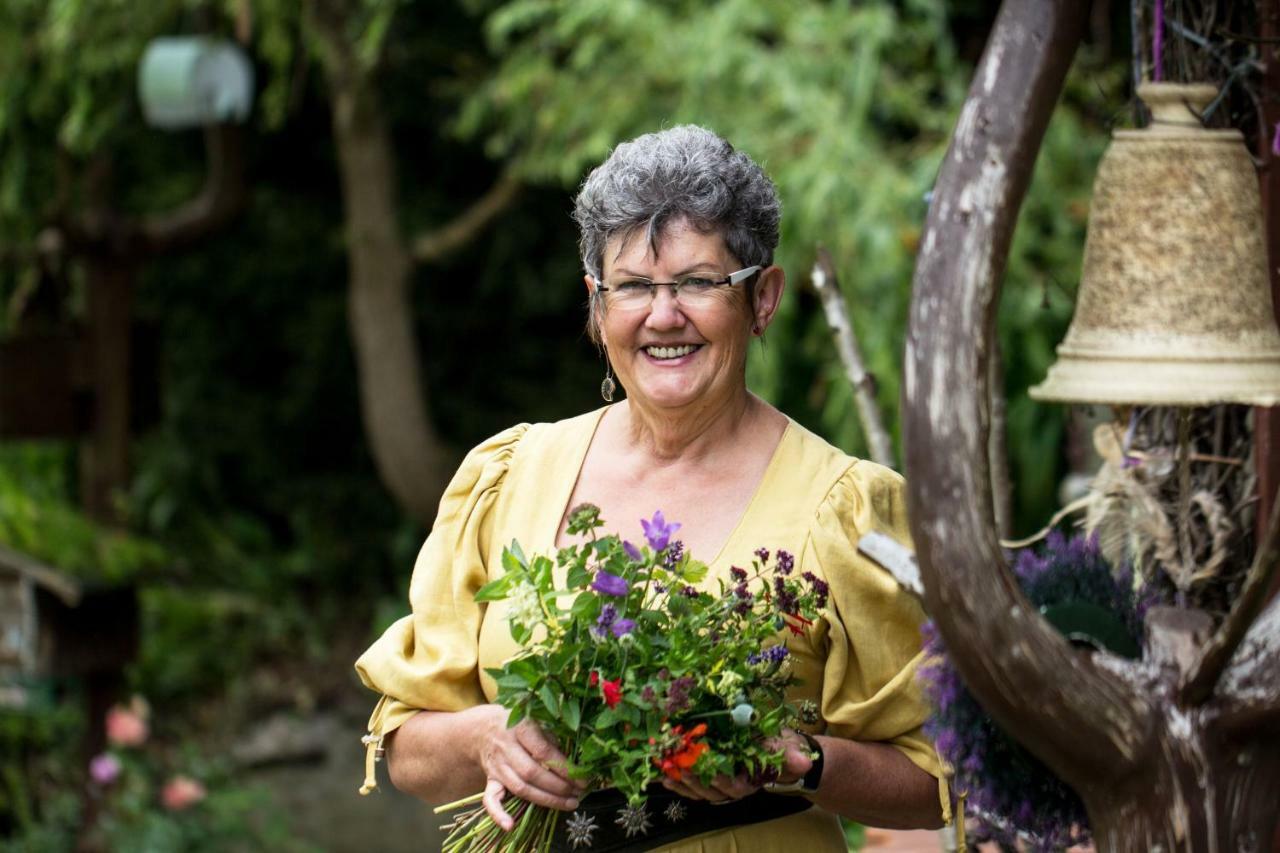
[1174, 305]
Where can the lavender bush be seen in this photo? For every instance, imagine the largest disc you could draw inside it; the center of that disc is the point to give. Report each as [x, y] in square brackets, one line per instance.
[1008, 788]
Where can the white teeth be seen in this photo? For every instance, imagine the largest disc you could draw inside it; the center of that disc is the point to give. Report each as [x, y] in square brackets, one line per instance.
[670, 352]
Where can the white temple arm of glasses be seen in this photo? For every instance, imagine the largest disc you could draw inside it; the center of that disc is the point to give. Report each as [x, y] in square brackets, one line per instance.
[741, 275]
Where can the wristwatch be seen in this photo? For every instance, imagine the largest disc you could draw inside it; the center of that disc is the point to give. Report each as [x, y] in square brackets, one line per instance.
[807, 784]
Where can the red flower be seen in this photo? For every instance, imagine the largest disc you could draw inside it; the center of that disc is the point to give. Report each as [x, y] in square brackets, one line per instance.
[674, 762]
[797, 629]
[594, 679]
[612, 691]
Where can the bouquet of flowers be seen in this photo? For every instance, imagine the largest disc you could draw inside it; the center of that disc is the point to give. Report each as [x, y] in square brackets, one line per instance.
[637, 673]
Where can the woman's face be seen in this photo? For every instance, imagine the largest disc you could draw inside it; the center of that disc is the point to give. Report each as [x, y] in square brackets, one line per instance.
[671, 356]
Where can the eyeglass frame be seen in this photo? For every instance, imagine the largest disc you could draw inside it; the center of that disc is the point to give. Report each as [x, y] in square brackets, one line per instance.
[728, 281]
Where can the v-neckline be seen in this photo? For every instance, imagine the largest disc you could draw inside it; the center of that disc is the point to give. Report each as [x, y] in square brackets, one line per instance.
[579, 458]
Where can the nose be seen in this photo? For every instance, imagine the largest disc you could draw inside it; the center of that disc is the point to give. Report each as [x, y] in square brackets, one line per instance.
[664, 311]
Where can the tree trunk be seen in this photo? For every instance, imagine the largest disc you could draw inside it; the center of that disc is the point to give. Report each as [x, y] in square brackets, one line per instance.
[409, 456]
[104, 454]
[1173, 752]
[1200, 793]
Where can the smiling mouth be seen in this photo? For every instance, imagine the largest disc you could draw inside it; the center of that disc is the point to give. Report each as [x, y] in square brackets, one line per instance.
[670, 352]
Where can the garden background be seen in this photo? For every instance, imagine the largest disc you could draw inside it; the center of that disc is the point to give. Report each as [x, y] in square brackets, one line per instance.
[409, 169]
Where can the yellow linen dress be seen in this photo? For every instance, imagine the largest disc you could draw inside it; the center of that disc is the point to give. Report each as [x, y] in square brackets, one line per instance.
[858, 662]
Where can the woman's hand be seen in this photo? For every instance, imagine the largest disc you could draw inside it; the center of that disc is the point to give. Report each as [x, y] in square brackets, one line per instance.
[796, 762]
[525, 762]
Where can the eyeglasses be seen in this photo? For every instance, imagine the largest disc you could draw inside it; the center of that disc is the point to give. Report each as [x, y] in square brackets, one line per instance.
[693, 290]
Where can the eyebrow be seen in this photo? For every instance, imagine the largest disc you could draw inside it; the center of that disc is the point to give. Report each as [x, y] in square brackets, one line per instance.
[700, 266]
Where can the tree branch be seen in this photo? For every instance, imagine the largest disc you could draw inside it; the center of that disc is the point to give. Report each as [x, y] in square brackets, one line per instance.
[103, 231]
[434, 245]
[1079, 719]
[1215, 655]
[834, 306]
[1250, 686]
[220, 201]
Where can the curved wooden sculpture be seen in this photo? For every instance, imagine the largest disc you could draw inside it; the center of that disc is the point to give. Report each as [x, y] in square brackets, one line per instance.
[1178, 751]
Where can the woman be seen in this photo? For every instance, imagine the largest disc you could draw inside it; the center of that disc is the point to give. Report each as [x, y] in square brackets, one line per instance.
[678, 232]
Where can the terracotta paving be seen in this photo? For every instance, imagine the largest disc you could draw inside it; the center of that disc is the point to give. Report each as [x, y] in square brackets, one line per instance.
[902, 841]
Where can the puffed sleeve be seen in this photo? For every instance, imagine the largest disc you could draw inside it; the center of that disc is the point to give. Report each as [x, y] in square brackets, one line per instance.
[428, 659]
[870, 691]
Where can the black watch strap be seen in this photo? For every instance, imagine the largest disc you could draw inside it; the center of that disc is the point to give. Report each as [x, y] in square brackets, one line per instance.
[809, 784]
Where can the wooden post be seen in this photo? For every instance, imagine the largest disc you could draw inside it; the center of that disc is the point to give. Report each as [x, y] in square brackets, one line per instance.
[104, 459]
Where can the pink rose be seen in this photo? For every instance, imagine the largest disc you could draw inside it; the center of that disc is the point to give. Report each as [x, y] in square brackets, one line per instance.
[104, 769]
[181, 792]
[126, 726]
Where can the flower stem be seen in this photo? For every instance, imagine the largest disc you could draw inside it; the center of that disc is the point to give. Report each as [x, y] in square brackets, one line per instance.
[457, 804]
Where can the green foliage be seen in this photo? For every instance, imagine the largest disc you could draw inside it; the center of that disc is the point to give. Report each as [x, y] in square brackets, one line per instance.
[42, 781]
[849, 107]
[37, 519]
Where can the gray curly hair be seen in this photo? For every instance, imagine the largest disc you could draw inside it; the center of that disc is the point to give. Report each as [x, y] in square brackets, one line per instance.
[686, 172]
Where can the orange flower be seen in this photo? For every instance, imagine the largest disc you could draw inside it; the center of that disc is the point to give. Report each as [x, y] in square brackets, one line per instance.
[674, 762]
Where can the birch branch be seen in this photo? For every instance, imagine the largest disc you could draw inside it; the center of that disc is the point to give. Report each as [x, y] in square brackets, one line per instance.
[864, 385]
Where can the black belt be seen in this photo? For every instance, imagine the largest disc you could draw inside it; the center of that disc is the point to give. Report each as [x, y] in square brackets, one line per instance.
[670, 817]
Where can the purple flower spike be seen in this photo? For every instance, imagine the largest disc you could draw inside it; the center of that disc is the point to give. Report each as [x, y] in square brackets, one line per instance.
[622, 626]
[632, 551]
[657, 531]
[607, 584]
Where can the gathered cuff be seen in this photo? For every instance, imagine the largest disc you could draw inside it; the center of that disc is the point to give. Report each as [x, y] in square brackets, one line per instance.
[388, 715]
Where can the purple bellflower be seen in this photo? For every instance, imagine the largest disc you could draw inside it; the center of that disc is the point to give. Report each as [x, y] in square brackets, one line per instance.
[622, 626]
[632, 551]
[609, 584]
[657, 531]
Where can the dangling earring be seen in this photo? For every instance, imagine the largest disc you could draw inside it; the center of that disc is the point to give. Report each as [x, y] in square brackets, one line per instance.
[608, 386]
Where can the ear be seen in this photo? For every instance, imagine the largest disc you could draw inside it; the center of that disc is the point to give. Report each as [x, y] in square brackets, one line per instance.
[768, 296]
[591, 284]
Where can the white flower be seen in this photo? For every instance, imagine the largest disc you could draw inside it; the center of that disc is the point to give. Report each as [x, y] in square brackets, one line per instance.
[525, 608]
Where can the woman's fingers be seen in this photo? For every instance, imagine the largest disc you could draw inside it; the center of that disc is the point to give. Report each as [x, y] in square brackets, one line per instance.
[533, 791]
[493, 794]
[544, 751]
[721, 789]
[518, 760]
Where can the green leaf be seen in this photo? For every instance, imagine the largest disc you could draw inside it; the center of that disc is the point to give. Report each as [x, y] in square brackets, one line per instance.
[513, 681]
[511, 563]
[693, 571]
[585, 607]
[495, 590]
[578, 576]
[549, 700]
[518, 553]
[528, 667]
[541, 569]
[1083, 622]
[572, 713]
